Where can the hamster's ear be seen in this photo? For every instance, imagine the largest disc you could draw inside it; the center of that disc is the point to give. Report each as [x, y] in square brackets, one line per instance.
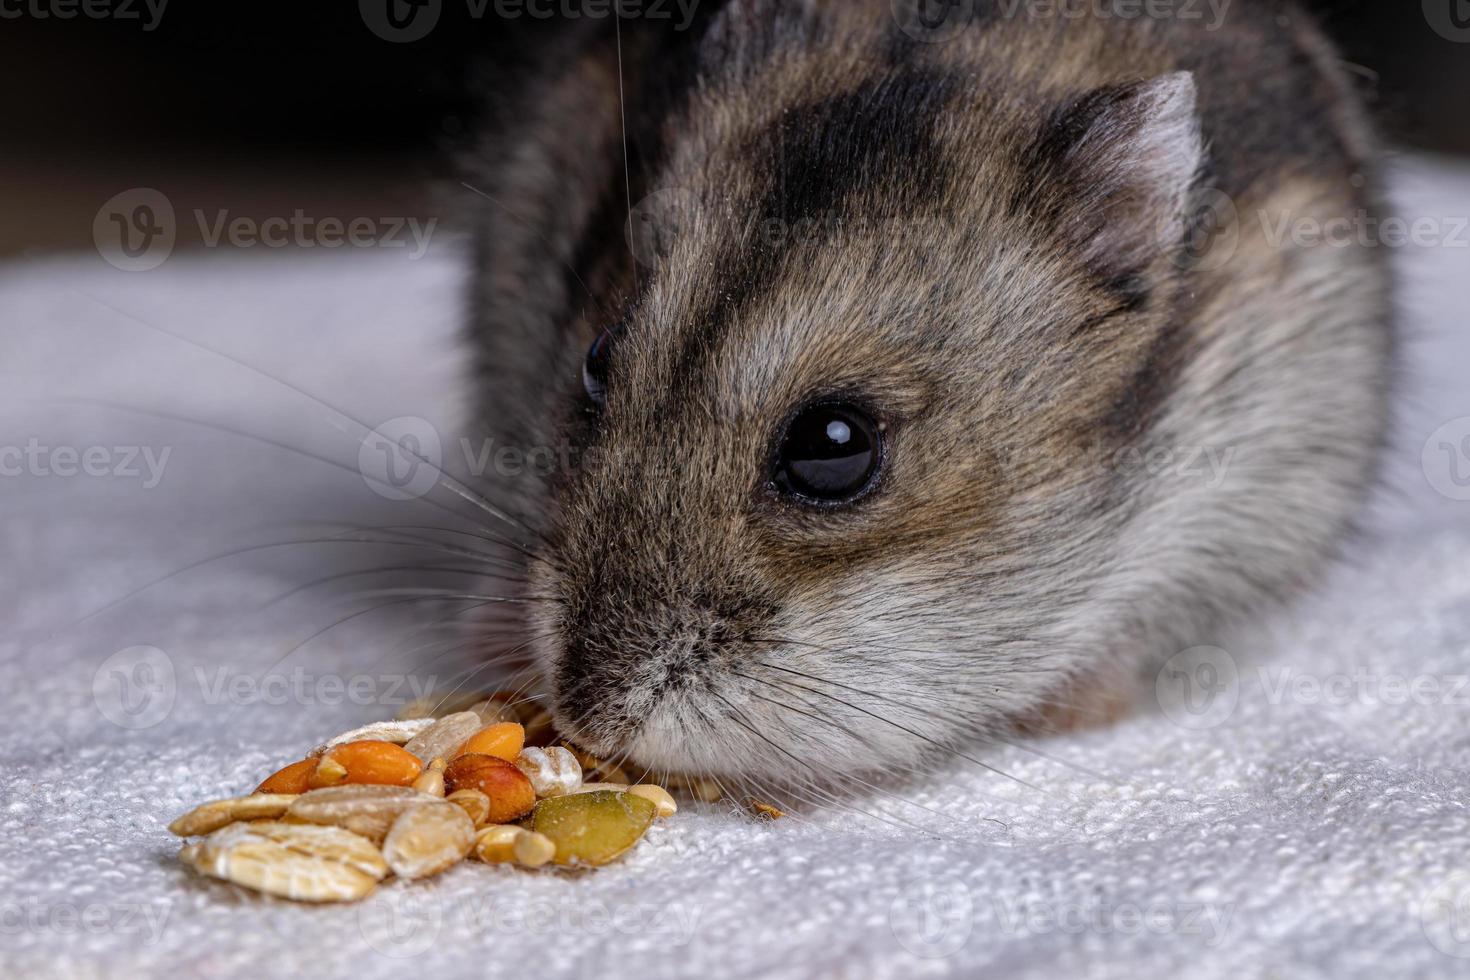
[1114, 170]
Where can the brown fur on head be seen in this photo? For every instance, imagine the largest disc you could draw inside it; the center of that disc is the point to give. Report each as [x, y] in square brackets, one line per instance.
[982, 245]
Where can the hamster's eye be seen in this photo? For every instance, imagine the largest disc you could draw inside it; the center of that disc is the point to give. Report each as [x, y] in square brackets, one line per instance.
[596, 364]
[829, 454]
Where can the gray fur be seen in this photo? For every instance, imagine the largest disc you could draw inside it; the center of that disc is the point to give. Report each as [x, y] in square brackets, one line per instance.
[1000, 266]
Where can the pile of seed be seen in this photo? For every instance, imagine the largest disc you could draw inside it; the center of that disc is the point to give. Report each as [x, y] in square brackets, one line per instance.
[414, 797]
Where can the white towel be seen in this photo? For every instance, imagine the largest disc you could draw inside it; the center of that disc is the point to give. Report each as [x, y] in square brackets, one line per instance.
[1319, 828]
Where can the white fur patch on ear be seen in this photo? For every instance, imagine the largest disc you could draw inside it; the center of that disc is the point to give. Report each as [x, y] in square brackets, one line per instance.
[1166, 150]
[1129, 156]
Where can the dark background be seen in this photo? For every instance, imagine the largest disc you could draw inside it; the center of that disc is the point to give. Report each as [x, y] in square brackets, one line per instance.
[262, 107]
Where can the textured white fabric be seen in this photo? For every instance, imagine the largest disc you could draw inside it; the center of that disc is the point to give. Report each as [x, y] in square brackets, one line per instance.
[1301, 836]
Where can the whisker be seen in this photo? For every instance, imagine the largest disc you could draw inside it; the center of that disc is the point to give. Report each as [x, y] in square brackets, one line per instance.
[623, 120]
[514, 650]
[239, 552]
[446, 480]
[845, 730]
[904, 728]
[384, 570]
[962, 723]
[431, 593]
[274, 443]
[402, 531]
[1049, 757]
[744, 723]
[399, 528]
[402, 600]
[462, 642]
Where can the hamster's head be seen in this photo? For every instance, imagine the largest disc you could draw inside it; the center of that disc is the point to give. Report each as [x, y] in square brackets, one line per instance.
[842, 503]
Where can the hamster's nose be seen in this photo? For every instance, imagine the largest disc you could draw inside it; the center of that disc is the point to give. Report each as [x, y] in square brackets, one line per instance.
[622, 661]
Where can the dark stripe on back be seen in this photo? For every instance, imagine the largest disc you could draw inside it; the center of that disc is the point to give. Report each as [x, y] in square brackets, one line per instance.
[876, 139]
[1049, 161]
[867, 155]
[1129, 287]
[1153, 382]
[1060, 187]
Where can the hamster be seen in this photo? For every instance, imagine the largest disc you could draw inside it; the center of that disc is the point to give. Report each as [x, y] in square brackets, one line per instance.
[971, 372]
